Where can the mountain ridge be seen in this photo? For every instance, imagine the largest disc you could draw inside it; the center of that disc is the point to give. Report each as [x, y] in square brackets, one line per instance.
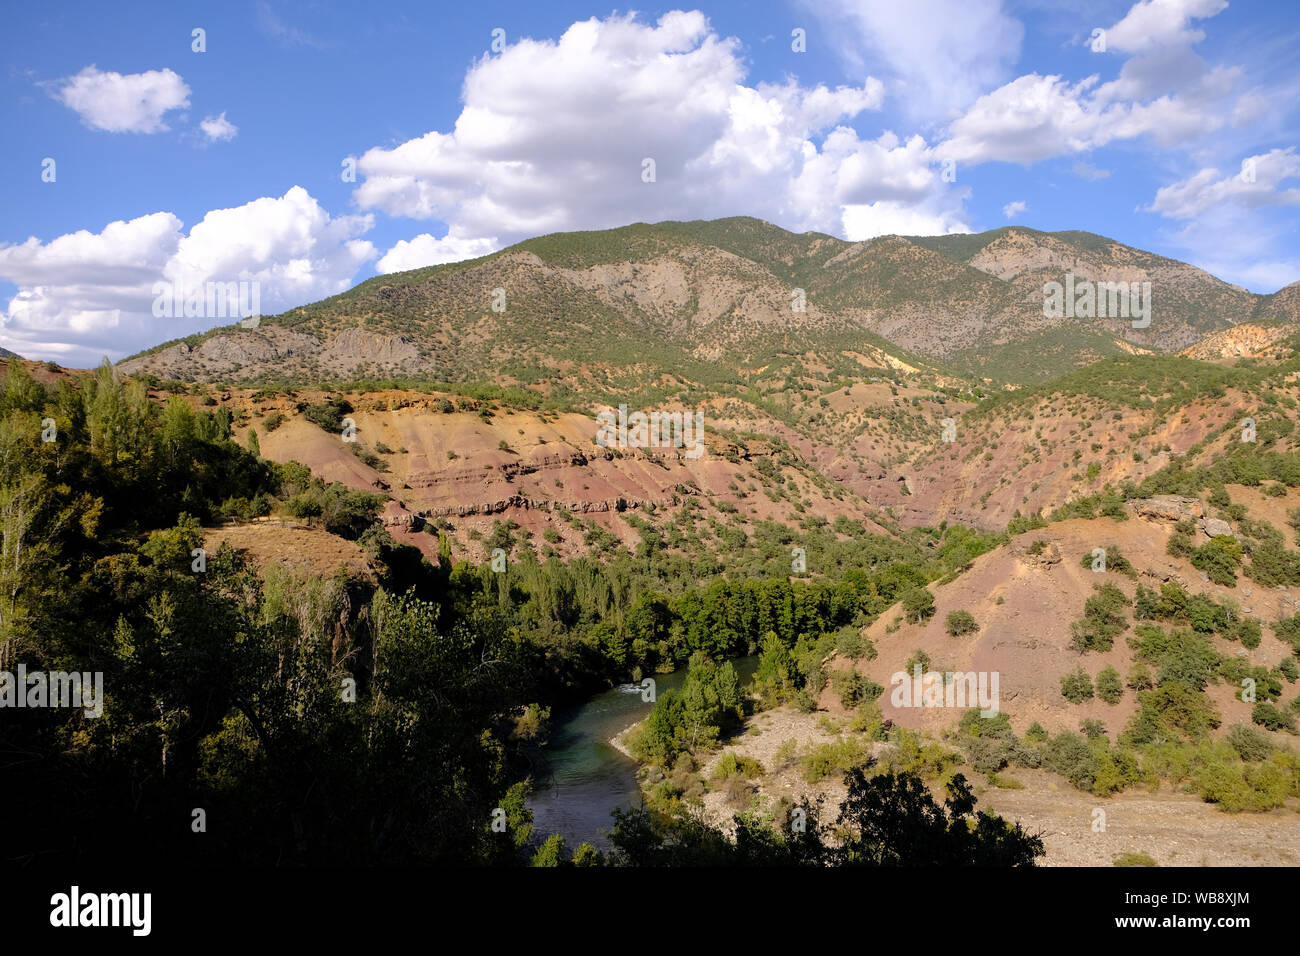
[562, 309]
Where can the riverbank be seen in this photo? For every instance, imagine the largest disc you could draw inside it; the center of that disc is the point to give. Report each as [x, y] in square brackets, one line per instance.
[1170, 827]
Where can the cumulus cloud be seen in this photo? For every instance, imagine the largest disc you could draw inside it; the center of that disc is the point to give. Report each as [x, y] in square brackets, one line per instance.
[866, 188]
[1156, 23]
[1254, 185]
[118, 103]
[218, 128]
[938, 55]
[85, 295]
[619, 121]
[1029, 119]
[425, 250]
[1164, 91]
[886, 218]
[1013, 209]
[1233, 223]
[1037, 117]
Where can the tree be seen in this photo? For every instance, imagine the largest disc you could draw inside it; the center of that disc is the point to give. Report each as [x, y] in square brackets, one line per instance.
[776, 677]
[918, 605]
[551, 852]
[892, 820]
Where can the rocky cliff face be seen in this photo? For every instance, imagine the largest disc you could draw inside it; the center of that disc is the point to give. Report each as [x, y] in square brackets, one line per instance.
[1244, 341]
[275, 352]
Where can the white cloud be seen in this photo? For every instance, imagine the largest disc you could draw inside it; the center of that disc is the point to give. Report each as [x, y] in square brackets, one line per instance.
[1157, 23]
[425, 250]
[1164, 91]
[125, 253]
[291, 244]
[1234, 227]
[218, 128]
[85, 295]
[939, 55]
[887, 218]
[1037, 117]
[130, 103]
[1254, 185]
[553, 135]
[867, 188]
[1029, 119]
[1013, 209]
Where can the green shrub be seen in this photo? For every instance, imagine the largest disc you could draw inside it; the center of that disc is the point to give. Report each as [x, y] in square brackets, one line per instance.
[960, 622]
[1267, 715]
[1250, 744]
[834, 759]
[328, 414]
[1135, 859]
[1115, 561]
[1219, 558]
[1109, 686]
[1246, 631]
[1077, 687]
[732, 764]
[849, 686]
[1103, 619]
[1253, 787]
[1171, 711]
[1288, 630]
[1180, 656]
[1139, 677]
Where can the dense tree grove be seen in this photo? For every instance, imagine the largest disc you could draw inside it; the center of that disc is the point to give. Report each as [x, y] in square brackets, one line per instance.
[304, 729]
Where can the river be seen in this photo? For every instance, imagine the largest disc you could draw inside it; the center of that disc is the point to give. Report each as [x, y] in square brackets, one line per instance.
[589, 777]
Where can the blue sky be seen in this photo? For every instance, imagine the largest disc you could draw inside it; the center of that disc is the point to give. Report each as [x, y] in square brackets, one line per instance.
[171, 165]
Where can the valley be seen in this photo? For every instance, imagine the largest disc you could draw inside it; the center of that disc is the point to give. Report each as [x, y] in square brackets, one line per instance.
[919, 474]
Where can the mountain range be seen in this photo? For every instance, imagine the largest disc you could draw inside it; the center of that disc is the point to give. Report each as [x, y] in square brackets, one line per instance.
[738, 299]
